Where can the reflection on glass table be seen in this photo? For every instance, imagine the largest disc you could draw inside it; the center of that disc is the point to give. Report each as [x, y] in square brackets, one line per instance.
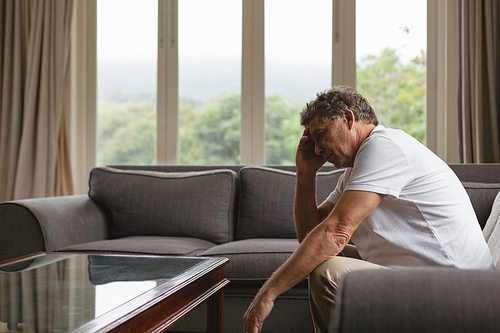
[61, 292]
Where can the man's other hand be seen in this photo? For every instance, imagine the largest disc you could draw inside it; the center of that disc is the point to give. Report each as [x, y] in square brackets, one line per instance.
[257, 312]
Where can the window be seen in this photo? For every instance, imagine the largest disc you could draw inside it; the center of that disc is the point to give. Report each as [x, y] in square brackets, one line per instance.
[209, 81]
[126, 81]
[208, 117]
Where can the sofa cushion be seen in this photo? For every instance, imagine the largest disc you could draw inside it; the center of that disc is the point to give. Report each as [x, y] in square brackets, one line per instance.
[491, 231]
[266, 201]
[176, 246]
[482, 196]
[253, 259]
[149, 203]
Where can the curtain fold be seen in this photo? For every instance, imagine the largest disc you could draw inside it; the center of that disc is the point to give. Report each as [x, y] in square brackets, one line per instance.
[12, 75]
[479, 94]
[35, 46]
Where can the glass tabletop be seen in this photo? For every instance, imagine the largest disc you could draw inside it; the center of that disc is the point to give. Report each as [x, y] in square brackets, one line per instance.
[61, 292]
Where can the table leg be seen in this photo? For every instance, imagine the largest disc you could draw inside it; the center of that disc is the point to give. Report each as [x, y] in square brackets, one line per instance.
[215, 313]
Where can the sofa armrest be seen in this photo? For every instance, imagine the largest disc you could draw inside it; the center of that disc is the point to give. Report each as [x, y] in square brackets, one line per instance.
[47, 224]
[418, 300]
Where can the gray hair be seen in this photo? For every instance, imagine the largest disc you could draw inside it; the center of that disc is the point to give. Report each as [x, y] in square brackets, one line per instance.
[332, 103]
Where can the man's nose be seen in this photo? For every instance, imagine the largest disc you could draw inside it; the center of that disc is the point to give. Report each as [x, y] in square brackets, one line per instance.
[318, 150]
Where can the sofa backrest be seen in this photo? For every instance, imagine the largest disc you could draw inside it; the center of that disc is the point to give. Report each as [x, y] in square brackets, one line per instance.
[149, 203]
[266, 201]
[482, 183]
[326, 187]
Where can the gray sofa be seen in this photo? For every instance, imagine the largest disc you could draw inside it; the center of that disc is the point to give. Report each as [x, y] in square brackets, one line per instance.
[244, 213]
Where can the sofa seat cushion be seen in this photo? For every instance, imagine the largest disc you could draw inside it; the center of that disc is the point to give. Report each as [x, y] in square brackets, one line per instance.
[253, 259]
[177, 246]
[266, 201]
[149, 203]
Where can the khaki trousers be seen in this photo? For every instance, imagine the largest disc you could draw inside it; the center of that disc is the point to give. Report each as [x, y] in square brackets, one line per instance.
[323, 284]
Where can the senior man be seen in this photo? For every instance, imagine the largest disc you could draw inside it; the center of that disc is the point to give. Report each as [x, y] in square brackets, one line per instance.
[399, 203]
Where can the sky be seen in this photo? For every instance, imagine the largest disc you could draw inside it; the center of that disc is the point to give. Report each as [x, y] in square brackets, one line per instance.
[400, 24]
[298, 30]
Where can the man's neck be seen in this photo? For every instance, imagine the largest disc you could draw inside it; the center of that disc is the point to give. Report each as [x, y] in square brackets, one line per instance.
[364, 131]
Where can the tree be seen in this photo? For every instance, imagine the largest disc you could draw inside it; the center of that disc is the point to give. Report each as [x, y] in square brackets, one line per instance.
[126, 133]
[283, 129]
[395, 91]
[212, 136]
[189, 151]
[209, 133]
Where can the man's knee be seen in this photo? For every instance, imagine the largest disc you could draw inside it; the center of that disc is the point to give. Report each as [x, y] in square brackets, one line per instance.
[323, 285]
[328, 273]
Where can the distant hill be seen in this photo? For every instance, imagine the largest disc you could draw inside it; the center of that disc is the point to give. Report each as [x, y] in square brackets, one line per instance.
[200, 81]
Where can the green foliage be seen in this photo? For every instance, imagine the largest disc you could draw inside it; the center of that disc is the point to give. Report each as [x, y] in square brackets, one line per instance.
[209, 133]
[283, 129]
[126, 133]
[395, 91]
[189, 147]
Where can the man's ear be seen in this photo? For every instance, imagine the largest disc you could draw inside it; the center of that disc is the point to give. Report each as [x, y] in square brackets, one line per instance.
[349, 117]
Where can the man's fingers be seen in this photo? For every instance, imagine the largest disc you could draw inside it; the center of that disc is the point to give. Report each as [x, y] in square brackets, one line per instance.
[252, 323]
[255, 315]
[305, 143]
[303, 140]
[305, 136]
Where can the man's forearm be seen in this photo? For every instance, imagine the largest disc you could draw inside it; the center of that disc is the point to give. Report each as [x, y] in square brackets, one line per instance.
[316, 248]
[306, 213]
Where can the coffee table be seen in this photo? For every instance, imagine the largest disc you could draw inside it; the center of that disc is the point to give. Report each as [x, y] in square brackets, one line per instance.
[56, 292]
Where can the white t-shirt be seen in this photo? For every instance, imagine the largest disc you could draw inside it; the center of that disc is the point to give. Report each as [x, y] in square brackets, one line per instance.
[426, 217]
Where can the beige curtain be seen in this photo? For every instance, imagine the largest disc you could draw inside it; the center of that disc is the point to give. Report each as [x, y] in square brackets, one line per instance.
[479, 103]
[34, 55]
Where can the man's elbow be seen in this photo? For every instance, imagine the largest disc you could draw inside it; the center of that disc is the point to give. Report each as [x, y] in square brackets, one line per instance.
[337, 238]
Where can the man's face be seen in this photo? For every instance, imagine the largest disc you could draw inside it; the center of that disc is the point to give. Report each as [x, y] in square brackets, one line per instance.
[332, 140]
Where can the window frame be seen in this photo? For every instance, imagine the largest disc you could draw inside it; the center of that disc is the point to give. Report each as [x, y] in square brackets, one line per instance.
[167, 150]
